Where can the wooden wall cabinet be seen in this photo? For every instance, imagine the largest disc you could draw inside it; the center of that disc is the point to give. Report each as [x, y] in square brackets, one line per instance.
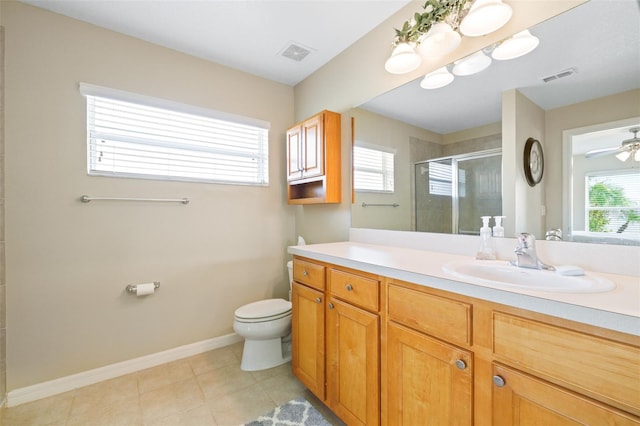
[314, 160]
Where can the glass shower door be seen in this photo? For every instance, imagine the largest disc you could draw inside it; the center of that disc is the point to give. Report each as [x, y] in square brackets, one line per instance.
[479, 191]
[434, 196]
[452, 193]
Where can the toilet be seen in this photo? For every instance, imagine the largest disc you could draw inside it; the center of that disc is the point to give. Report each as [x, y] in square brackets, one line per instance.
[266, 328]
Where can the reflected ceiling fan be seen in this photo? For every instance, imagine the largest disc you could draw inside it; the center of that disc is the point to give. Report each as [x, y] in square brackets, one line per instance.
[629, 148]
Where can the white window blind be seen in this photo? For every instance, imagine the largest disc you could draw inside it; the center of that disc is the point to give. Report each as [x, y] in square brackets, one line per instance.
[373, 169]
[613, 202]
[157, 139]
[440, 179]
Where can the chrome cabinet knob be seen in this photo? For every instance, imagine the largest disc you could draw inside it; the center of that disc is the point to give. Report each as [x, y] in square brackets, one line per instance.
[305, 273]
[349, 287]
[498, 381]
[461, 364]
[331, 306]
[318, 300]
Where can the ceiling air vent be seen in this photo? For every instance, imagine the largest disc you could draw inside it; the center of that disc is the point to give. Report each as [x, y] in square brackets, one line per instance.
[295, 51]
[561, 74]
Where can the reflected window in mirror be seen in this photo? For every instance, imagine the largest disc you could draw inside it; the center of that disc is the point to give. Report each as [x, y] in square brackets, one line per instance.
[373, 169]
[612, 205]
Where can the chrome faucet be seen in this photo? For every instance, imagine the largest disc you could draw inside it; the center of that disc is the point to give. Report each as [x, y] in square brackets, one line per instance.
[526, 252]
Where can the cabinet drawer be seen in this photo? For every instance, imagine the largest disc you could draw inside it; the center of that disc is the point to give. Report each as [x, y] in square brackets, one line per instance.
[440, 317]
[308, 273]
[606, 370]
[355, 289]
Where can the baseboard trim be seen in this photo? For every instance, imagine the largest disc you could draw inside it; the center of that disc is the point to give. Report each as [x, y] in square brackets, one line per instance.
[68, 383]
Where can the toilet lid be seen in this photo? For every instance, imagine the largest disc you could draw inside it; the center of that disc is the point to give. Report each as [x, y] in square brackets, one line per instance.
[263, 309]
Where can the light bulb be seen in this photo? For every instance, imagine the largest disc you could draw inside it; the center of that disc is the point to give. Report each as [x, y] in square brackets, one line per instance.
[623, 156]
[484, 17]
[440, 40]
[514, 47]
[437, 79]
[472, 64]
[403, 59]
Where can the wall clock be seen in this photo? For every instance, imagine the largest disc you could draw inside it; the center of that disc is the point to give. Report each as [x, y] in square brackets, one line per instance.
[533, 161]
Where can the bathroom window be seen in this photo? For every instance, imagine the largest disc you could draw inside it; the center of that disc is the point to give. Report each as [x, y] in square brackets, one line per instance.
[373, 169]
[136, 136]
[613, 203]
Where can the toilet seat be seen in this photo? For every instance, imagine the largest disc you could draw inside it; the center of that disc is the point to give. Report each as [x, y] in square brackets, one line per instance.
[263, 310]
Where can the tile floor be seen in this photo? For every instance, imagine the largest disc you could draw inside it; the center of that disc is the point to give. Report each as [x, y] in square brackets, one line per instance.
[205, 389]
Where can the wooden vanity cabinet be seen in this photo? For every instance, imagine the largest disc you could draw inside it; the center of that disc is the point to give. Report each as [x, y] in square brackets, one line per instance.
[308, 325]
[427, 375]
[399, 353]
[521, 399]
[353, 347]
[313, 160]
[581, 366]
[336, 338]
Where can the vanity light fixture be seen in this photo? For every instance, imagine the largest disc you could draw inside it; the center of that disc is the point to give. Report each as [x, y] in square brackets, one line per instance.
[436, 31]
[439, 41]
[485, 17]
[472, 64]
[437, 79]
[404, 59]
[518, 45]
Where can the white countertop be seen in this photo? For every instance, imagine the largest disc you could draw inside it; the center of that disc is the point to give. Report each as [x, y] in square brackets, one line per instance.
[618, 309]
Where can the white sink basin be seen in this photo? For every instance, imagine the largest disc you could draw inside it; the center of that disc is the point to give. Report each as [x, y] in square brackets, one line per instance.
[501, 273]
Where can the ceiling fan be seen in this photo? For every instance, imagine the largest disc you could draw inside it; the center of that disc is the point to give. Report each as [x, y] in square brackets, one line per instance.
[628, 148]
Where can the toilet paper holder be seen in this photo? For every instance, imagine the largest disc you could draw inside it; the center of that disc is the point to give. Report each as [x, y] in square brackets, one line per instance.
[131, 288]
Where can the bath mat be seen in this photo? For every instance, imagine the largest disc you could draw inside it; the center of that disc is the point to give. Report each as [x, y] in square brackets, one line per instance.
[297, 412]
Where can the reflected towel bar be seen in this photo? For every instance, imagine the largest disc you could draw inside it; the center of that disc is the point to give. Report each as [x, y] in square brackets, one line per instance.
[380, 205]
[86, 199]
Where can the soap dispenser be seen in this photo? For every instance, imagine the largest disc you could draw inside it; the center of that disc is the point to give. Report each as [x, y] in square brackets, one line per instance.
[485, 252]
[498, 230]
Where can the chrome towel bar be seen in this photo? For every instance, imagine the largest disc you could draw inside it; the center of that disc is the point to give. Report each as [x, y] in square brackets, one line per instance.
[380, 205]
[86, 199]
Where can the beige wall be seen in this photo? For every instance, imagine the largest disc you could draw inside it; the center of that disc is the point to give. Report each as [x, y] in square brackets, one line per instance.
[603, 110]
[374, 129]
[68, 263]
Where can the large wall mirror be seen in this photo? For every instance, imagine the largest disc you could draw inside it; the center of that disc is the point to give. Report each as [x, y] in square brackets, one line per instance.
[443, 147]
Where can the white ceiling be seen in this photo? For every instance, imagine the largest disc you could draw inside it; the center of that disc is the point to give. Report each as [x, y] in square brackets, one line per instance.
[245, 35]
[601, 39]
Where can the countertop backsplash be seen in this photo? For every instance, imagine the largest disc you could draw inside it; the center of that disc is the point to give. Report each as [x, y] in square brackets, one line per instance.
[612, 259]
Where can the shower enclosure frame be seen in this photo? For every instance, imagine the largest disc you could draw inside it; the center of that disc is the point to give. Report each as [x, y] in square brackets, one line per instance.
[455, 201]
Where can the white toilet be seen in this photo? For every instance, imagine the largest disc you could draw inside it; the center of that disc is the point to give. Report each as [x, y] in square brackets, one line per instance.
[266, 328]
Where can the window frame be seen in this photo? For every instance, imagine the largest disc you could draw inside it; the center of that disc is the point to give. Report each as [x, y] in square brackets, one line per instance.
[385, 173]
[588, 208]
[169, 149]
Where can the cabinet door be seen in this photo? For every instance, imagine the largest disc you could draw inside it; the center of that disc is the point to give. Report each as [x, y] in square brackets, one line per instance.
[520, 399]
[429, 382]
[294, 154]
[353, 383]
[307, 338]
[313, 146]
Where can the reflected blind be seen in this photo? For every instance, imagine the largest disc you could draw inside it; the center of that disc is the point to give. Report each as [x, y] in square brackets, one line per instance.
[613, 202]
[137, 140]
[373, 169]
